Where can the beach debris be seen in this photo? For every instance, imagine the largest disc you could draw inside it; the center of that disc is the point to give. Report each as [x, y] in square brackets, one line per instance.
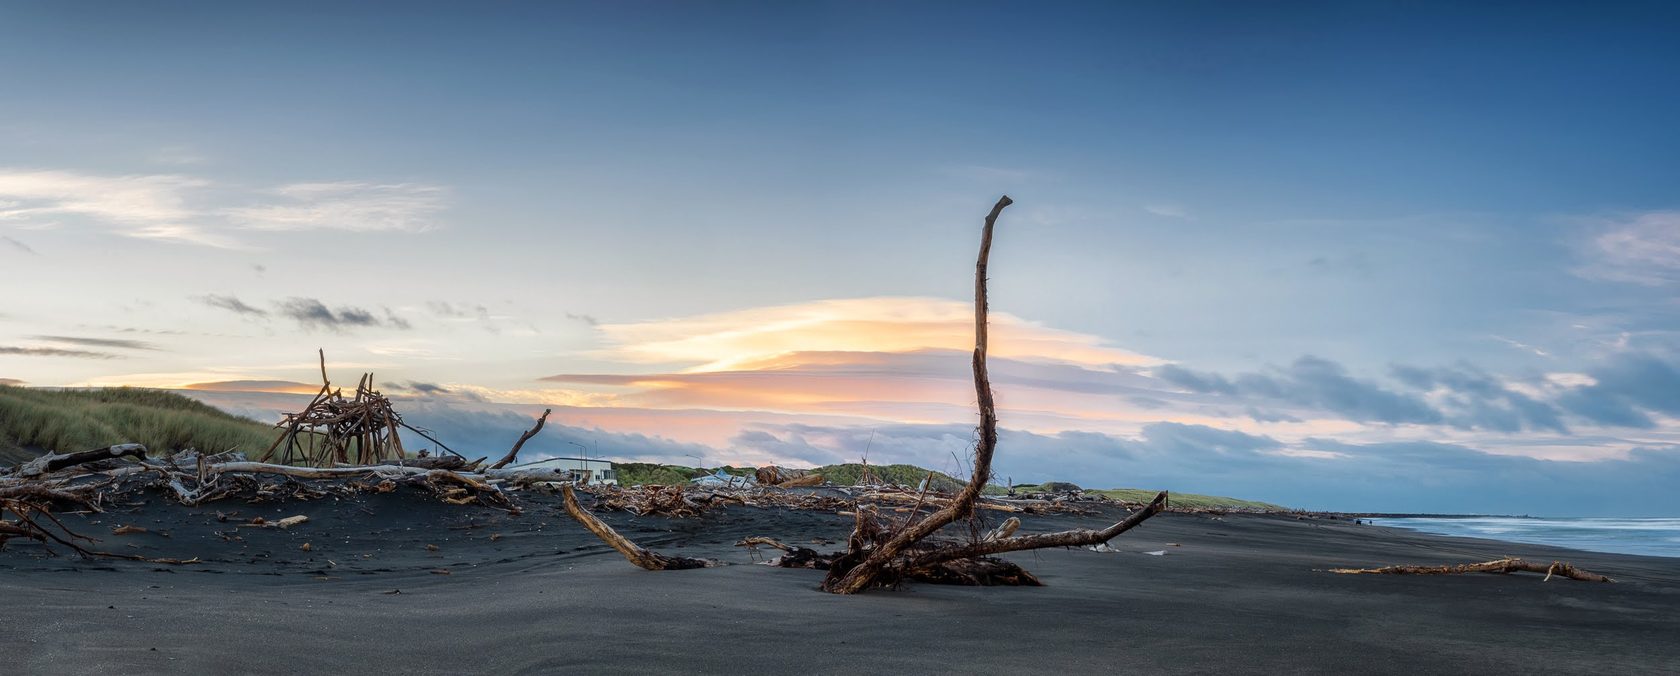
[53, 462]
[1497, 566]
[1158, 552]
[878, 555]
[634, 553]
[334, 430]
[26, 512]
[128, 530]
[514, 452]
[782, 477]
[290, 521]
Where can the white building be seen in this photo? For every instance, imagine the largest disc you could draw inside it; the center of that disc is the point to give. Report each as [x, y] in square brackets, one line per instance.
[597, 470]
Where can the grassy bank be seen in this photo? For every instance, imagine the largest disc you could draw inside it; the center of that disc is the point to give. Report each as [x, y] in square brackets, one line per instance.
[35, 420]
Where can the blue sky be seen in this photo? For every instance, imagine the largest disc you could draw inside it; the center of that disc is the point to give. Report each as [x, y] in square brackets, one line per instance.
[1348, 231]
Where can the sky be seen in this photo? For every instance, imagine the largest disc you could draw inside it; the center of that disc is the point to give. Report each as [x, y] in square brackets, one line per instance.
[1359, 256]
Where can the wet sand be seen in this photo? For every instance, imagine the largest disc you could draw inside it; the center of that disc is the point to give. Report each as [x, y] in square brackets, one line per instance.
[537, 594]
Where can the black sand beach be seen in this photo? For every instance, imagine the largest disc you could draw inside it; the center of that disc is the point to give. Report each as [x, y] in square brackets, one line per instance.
[537, 594]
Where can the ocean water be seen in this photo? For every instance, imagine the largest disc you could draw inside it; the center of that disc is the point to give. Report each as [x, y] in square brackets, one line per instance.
[1650, 537]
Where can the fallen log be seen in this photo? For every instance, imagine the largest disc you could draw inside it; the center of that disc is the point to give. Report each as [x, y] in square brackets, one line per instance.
[1497, 566]
[53, 462]
[636, 554]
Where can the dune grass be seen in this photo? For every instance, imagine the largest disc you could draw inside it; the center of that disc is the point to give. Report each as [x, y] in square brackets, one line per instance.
[904, 475]
[33, 420]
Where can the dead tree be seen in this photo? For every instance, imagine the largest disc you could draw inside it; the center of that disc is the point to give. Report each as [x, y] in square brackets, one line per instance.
[882, 556]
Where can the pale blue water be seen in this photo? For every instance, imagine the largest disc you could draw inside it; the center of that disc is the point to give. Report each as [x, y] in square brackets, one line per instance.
[1651, 537]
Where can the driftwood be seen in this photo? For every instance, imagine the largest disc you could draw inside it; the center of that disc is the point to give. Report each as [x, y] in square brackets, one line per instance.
[30, 507]
[637, 555]
[878, 556]
[333, 429]
[1497, 566]
[866, 572]
[514, 452]
[53, 462]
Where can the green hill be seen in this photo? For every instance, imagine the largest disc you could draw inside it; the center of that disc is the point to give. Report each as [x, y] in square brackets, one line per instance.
[36, 420]
[903, 475]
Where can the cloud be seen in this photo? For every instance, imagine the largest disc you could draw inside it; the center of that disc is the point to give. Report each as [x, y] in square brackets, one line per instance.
[286, 386]
[1462, 397]
[135, 200]
[447, 310]
[186, 209]
[1638, 248]
[20, 246]
[1472, 399]
[1624, 388]
[54, 352]
[99, 342]
[346, 205]
[1316, 383]
[231, 304]
[728, 340]
[925, 385]
[587, 319]
[310, 313]
[393, 321]
[186, 234]
[428, 389]
[12, 382]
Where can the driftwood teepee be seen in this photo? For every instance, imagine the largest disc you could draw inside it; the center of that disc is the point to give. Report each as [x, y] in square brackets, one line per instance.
[334, 430]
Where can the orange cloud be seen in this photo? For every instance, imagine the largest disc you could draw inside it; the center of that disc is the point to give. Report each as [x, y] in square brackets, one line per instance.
[757, 337]
[279, 386]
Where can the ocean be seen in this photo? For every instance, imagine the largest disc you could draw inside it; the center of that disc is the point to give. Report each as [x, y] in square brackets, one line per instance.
[1650, 537]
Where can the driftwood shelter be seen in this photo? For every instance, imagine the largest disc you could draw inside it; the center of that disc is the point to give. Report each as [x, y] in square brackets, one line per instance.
[335, 430]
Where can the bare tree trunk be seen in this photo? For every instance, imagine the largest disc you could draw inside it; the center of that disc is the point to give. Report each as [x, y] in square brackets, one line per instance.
[864, 574]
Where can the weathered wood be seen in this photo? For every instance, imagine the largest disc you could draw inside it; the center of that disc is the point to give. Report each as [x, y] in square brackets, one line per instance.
[643, 558]
[514, 452]
[1498, 566]
[1078, 537]
[864, 574]
[53, 462]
